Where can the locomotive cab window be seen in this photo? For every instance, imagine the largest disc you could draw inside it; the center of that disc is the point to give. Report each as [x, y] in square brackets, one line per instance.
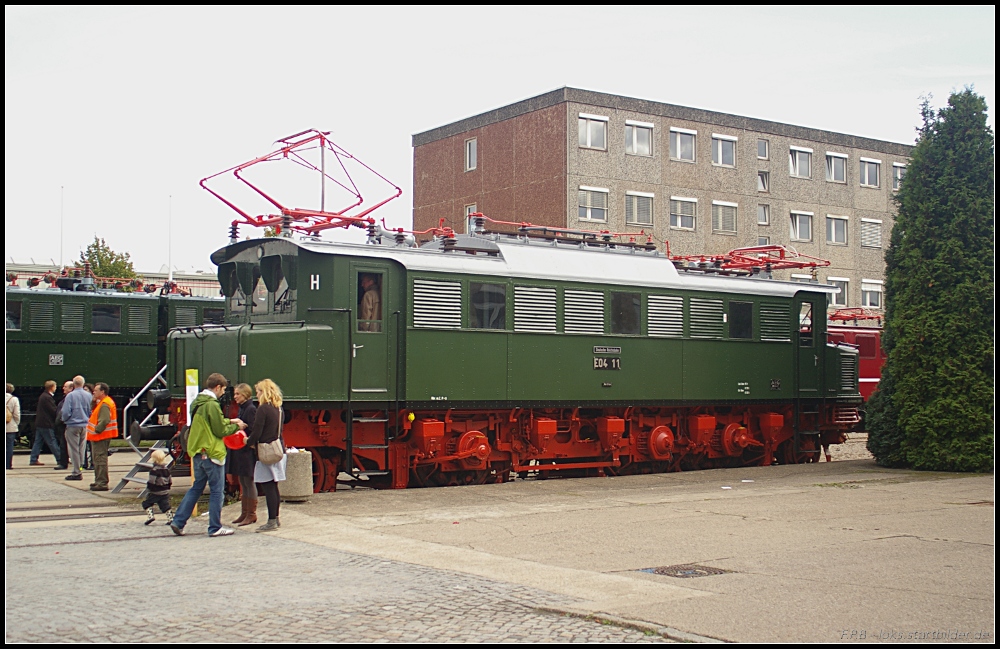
[488, 306]
[741, 320]
[13, 315]
[805, 325]
[369, 302]
[106, 318]
[626, 313]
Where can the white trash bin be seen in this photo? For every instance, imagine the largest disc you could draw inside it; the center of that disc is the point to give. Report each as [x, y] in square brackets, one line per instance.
[298, 484]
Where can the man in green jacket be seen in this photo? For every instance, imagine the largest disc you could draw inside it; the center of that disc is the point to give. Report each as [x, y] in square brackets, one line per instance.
[208, 456]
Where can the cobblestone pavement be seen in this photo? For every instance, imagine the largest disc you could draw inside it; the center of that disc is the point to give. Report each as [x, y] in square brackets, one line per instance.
[116, 580]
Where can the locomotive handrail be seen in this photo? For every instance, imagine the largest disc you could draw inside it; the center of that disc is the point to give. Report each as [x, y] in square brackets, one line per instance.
[135, 399]
[301, 323]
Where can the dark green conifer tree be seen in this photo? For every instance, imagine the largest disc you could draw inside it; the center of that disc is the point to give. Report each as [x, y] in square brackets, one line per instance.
[935, 411]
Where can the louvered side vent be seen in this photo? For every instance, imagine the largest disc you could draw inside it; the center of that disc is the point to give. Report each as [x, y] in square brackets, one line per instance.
[706, 318]
[848, 373]
[583, 312]
[534, 309]
[774, 319]
[186, 316]
[138, 319]
[42, 316]
[666, 315]
[71, 317]
[436, 304]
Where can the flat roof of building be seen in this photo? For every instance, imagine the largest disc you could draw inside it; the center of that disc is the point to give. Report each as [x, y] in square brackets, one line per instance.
[617, 102]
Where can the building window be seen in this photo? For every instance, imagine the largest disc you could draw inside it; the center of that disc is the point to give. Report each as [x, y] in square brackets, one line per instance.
[840, 299]
[593, 204]
[800, 162]
[724, 217]
[871, 233]
[836, 230]
[683, 212]
[638, 208]
[638, 138]
[682, 144]
[898, 171]
[488, 306]
[469, 211]
[870, 172]
[471, 154]
[836, 167]
[593, 131]
[763, 181]
[801, 226]
[871, 293]
[763, 150]
[723, 150]
[763, 241]
[763, 215]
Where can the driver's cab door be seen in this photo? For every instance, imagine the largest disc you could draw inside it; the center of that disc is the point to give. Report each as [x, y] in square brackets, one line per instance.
[370, 335]
[810, 341]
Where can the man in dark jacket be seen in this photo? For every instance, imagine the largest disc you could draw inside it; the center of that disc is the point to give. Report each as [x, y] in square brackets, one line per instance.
[45, 425]
[61, 427]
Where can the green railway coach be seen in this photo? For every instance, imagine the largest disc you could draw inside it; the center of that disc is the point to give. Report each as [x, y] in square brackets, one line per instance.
[111, 336]
[491, 354]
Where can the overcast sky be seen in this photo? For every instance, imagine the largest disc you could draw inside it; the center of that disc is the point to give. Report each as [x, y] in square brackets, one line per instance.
[126, 109]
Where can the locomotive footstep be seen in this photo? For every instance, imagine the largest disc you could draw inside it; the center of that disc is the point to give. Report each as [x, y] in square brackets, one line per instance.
[727, 487]
[746, 480]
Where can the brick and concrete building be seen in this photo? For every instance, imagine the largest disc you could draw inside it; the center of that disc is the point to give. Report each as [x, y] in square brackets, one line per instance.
[707, 182]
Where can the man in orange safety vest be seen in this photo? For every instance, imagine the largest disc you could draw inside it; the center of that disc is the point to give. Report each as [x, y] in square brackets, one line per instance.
[102, 428]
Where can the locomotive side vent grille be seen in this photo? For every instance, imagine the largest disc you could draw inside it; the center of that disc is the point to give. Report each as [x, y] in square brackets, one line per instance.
[187, 316]
[666, 315]
[774, 319]
[584, 312]
[848, 372]
[71, 317]
[706, 318]
[42, 316]
[138, 319]
[535, 309]
[437, 304]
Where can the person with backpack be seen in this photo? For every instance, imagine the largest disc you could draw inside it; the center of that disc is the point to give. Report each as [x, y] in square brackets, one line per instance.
[208, 456]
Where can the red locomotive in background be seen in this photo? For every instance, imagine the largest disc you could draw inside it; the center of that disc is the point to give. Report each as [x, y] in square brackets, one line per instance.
[861, 328]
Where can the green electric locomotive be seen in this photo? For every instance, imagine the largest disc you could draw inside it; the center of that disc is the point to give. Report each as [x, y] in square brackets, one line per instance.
[474, 357]
[105, 335]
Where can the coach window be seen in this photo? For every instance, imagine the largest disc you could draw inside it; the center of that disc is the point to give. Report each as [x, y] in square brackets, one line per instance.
[214, 316]
[370, 302]
[13, 315]
[626, 313]
[106, 318]
[488, 304]
[741, 320]
[867, 347]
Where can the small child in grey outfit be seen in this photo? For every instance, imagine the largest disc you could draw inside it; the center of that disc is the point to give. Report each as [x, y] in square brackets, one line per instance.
[158, 487]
